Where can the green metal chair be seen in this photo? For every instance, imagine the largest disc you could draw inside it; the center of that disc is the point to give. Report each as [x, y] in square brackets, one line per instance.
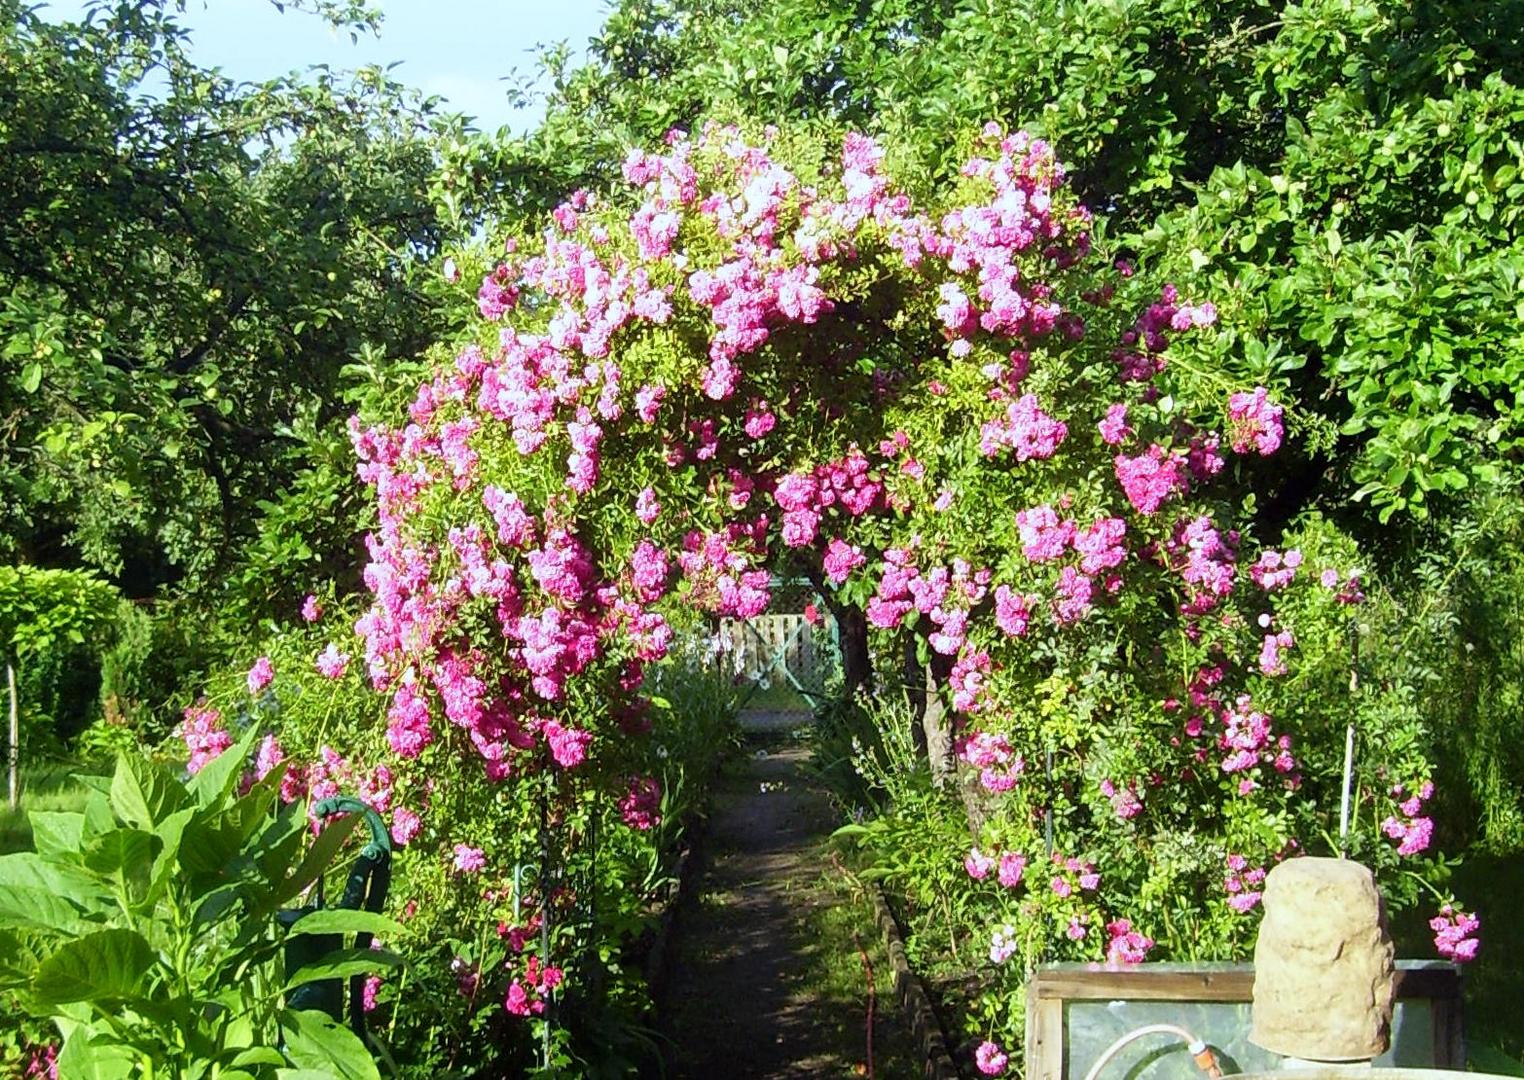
[364, 890]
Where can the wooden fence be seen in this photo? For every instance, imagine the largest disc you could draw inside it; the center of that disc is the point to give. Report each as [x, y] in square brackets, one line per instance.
[778, 648]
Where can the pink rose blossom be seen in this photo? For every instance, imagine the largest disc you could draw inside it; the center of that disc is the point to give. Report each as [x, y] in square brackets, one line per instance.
[260, 675]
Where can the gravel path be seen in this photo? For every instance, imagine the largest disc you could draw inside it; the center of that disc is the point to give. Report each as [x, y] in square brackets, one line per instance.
[744, 998]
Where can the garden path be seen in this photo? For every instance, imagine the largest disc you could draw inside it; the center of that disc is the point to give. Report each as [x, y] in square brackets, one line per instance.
[766, 979]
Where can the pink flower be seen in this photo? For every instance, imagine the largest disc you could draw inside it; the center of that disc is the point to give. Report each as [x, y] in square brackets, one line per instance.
[1256, 422]
[1150, 478]
[648, 401]
[517, 1001]
[1043, 535]
[990, 1058]
[204, 735]
[1013, 612]
[269, 758]
[1271, 660]
[260, 674]
[312, 609]
[405, 826]
[331, 663]
[1012, 866]
[1127, 946]
[978, 864]
[1002, 944]
[1114, 429]
[469, 860]
[646, 506]
[368, 993]
[568, 746]
[1454, 934]
[841, 559]
[639, 808]
[408, 729]
[759, 420]
[1075, 592]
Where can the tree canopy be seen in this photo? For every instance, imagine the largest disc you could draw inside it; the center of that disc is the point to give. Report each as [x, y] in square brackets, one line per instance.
[187, 264]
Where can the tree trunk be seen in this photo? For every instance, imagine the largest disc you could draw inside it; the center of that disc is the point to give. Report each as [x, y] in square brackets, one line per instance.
[856, 660]
[912, 679]
[938, 730]
[15, 745]
[936, 723]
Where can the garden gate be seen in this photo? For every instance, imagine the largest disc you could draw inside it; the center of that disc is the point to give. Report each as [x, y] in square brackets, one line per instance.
[792, 650]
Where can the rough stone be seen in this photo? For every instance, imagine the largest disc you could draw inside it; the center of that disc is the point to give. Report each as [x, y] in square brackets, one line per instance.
[1323, 982]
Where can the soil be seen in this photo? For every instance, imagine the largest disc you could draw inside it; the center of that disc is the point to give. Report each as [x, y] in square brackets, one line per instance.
[751, 992]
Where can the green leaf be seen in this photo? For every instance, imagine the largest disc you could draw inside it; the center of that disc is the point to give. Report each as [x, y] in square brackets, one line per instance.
[344, 921]
[31, 377]
[169, 832]
[126, 854]
[342, 963]
[41, 909]
[89, 1055]
[56, 834]
[314, 1041]
[323, 851]
[143, 793]
[28, 869]
[259, 1055]
[105, 964]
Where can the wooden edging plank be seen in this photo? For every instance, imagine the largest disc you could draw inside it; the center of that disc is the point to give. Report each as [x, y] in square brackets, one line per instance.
[925, 1026]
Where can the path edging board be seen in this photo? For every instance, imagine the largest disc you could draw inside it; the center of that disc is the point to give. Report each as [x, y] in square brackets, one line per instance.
[656, 965]
[925, 1025]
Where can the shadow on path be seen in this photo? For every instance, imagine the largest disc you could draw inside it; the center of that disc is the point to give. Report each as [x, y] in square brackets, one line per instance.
[756, 988]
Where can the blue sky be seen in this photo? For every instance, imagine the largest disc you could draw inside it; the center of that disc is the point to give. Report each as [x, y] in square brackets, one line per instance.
[458, 49]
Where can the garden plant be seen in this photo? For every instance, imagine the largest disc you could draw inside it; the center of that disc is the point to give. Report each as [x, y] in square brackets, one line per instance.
[1152, 446]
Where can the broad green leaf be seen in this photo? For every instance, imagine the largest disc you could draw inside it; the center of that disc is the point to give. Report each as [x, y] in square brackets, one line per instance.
[344, 921]
[93, 782]
[169, 832]
[88, 1055]
[98, 817]
[323, 851]
[124, 854]
[259, 1055]
[41, 909]
[143, 793]
[28, 869]
[102, 965]
[31, 377]
[208, 845]
[56, 834]
[314, 1041]
[342, 963]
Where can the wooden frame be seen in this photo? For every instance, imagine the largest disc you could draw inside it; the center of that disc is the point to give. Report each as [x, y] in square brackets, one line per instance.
[1052, 987]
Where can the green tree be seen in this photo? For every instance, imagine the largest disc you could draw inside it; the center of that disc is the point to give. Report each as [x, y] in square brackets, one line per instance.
[186, 265]
[43, 610]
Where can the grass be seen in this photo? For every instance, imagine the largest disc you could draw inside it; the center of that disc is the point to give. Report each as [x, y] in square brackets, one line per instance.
[842, 929]
[778, 696]
[43, 787]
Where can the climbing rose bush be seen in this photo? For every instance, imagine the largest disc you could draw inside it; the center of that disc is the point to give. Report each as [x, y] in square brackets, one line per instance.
[760, 354]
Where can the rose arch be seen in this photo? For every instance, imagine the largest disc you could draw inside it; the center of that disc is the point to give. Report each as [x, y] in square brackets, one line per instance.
[990, 448]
